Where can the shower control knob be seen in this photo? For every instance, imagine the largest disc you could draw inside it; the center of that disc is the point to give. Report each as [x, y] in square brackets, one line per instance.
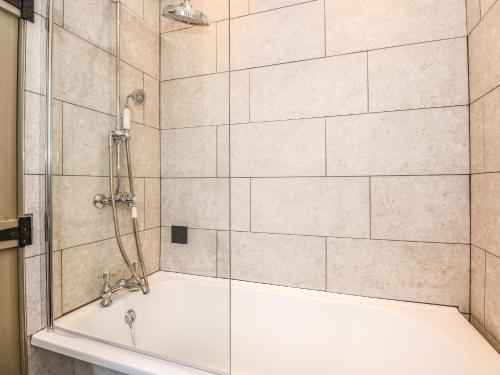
[100, 200]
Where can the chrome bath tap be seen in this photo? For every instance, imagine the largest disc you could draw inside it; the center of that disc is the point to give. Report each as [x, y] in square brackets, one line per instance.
[107, 289]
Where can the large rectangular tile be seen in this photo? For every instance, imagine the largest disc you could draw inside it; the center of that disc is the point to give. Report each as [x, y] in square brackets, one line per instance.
[152, 195]
[36, 55]
[34, 204]
[285, 148]
[195, 202]
[240, 204]
[492, 295]
[486, 212]
[317, 88]
[240, 97]
[431, 273]
[152, 13]
[197, 101]
[92, 21]
[419, 76]
[198, 257]
[477, 139]
[33, 299]
[473, 14]
[478, 282]
[83, 74]
[302, 38]
[150, 245]
[152, 103]
[297, 261]
[424, 208]
[82, 269]
[357, 25]
[432, 141]
[491, 130]
[484, 60]
[145, 151]
[140, 46]
[189, 52]
[85, 139]
[77, 221]
[311, 206]
[190, 152]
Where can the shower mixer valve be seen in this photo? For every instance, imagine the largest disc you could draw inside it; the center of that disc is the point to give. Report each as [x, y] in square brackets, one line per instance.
[122, 199]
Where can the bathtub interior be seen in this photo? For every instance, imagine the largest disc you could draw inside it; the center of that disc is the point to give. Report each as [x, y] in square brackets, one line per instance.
[279, 330]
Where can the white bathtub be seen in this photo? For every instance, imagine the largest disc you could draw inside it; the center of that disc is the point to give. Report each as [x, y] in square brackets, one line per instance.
[273, 330]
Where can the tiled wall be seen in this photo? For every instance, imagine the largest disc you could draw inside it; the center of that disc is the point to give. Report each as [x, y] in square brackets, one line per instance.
[348, 147]
[84, 113]
[483, 19]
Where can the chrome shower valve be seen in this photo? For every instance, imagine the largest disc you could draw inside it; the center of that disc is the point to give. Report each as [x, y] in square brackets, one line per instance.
[121, 199]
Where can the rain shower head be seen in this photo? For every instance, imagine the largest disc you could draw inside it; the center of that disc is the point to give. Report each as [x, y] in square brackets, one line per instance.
[185, 13]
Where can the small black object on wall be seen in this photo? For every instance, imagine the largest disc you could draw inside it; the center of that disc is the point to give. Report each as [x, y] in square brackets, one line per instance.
[179, 235]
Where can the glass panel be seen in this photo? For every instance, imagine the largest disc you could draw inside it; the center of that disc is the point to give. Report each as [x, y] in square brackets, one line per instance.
[179, 151]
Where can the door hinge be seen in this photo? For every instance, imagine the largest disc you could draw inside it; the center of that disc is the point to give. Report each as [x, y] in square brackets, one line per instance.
[22, 233]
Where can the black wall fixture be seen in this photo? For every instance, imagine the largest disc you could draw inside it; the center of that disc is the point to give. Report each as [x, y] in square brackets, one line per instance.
[27, 8]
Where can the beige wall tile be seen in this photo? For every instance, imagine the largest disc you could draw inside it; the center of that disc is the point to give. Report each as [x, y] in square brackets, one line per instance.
[216, 10]
[240, 100]
[430, 141]
[197, 257]
[189, 52]
[473, 14]
[477, 139]
[486, 6]
[311, 206]
[197, 101]
[82, 269]
[486, 212]
[303, 38]
[152, 103]
[34, 133]
[196, 202]
[223, 46]
[131, 80]
[57, 264]
[152, 203]
[262, 5]
[35, 56]
[222, 151]
[297, 261]
[424, 208]
[152, 13]
[317, 88]
[418, 76]
[58, 11]
[190, 152]
[492, 295]
[85, 139]
[432, 273]
[240, 204]
[478, 280]
[150, 244]
[145, 151]
[223, 252]
[357, 25]
[238, 8]
[285, 148]
[484, 62]
[492, 131]
[33, 279]
[136, 6]
[84, 74]
[487, 335]
[140, 44]
[92, 20]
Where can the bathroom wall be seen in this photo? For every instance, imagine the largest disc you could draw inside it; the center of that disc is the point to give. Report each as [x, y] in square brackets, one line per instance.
[348, 147]
[84, 88]
[483, 19]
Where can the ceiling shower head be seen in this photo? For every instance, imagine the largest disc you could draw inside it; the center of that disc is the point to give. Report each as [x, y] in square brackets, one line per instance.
[185, 13]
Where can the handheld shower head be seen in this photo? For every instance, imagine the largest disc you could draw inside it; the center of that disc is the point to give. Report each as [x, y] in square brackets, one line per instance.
[185, 13]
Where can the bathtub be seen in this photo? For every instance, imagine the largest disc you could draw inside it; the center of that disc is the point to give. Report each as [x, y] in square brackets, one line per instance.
[189, 325]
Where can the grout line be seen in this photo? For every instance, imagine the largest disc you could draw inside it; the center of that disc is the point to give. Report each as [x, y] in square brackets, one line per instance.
[302, 176]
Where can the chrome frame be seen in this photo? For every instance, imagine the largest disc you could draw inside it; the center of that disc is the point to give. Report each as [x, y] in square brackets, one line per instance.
[49, 258]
